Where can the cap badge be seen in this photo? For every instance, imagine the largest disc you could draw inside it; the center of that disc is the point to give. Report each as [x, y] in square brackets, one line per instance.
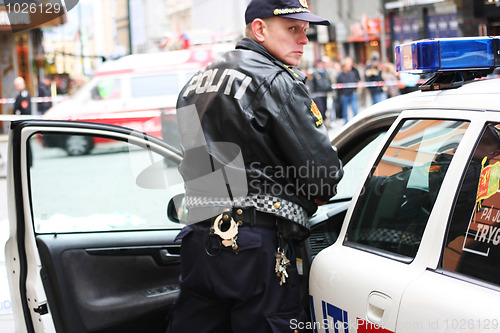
[304, 3]
[286, 11]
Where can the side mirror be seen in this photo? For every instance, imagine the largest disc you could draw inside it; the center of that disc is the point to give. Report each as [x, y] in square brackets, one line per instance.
[176, 212]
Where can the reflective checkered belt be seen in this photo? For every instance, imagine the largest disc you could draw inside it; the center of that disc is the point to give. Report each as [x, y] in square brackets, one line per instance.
[262, 203]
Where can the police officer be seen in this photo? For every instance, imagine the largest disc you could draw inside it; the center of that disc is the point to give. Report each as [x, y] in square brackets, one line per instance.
[257, 162]
[22, 104]
[321, 85]
[44, 91]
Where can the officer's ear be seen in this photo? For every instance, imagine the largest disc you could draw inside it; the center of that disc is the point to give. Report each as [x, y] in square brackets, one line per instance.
[258, 26]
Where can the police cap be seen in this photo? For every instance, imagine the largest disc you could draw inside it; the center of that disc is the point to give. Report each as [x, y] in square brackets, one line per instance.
[294, 9]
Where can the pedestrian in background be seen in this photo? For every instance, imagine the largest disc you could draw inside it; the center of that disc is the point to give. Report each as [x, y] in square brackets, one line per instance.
[348, 96]
[255, 125]
[391, 79]
[44, 91]
[321, 85]
[22, 104]
[336, 69]
[373, 73]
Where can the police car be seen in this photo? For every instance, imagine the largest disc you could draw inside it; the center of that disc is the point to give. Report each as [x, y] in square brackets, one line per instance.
[408, 244]
[418, 250]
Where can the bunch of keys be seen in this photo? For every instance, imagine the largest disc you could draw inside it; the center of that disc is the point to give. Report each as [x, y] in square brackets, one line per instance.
[282, 263]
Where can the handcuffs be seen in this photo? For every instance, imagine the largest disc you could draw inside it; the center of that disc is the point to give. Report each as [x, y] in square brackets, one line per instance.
[229, 236]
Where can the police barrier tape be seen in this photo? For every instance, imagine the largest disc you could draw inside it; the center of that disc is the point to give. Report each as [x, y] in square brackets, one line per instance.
[36, 99]
[399, 83]
[335, 86]
[368, 84]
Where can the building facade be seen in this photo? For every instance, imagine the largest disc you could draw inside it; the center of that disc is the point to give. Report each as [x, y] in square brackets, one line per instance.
[21, 51]
[364, 27]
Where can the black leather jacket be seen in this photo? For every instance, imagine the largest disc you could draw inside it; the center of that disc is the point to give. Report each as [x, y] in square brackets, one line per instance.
[257, 122]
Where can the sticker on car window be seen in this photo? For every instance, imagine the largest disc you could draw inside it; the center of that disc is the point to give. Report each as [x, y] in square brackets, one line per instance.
[488, 181]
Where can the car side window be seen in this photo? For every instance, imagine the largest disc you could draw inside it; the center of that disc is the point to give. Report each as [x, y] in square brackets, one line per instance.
[398, 196]
[154, 85]
[117, 186]
[472, 244]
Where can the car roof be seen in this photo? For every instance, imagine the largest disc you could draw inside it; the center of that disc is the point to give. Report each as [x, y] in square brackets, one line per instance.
[475, 95]
[189, 59]
[154, 62]
[478, 95]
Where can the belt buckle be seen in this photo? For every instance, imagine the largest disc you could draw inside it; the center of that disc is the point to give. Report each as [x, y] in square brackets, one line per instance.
[229, 236]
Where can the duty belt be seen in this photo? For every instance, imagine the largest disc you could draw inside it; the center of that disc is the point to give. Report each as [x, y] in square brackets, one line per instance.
[251, 216]
[262, 203]
[226, 225]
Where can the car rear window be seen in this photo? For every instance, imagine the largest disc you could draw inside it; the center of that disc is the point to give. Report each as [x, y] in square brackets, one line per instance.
[473, 239]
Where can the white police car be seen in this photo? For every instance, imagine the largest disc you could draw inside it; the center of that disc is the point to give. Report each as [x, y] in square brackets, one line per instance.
[91, 243]
[419, 249]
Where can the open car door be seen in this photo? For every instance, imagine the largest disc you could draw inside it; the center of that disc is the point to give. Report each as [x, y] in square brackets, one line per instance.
[91, 245]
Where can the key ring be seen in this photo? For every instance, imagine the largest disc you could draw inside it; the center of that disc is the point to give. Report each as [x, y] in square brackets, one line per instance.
[211, 234]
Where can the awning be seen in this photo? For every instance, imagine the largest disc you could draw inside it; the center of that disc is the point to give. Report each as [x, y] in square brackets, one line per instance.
[28, 15]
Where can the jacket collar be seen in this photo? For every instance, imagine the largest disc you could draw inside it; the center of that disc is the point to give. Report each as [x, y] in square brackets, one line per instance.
[250, 44]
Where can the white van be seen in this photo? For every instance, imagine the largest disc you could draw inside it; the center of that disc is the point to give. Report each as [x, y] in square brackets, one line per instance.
[137, 91]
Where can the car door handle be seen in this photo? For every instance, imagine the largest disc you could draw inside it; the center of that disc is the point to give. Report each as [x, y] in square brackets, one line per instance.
[169, 258]
[379, 305]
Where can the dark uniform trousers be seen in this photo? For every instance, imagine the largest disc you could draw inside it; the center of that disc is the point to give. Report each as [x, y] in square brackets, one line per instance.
[235, 290]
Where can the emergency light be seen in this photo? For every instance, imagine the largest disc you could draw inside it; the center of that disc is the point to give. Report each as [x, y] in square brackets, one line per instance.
[448, 54]
[452, 60]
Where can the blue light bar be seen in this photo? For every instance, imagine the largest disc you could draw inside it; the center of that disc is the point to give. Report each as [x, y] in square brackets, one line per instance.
[448, 54]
